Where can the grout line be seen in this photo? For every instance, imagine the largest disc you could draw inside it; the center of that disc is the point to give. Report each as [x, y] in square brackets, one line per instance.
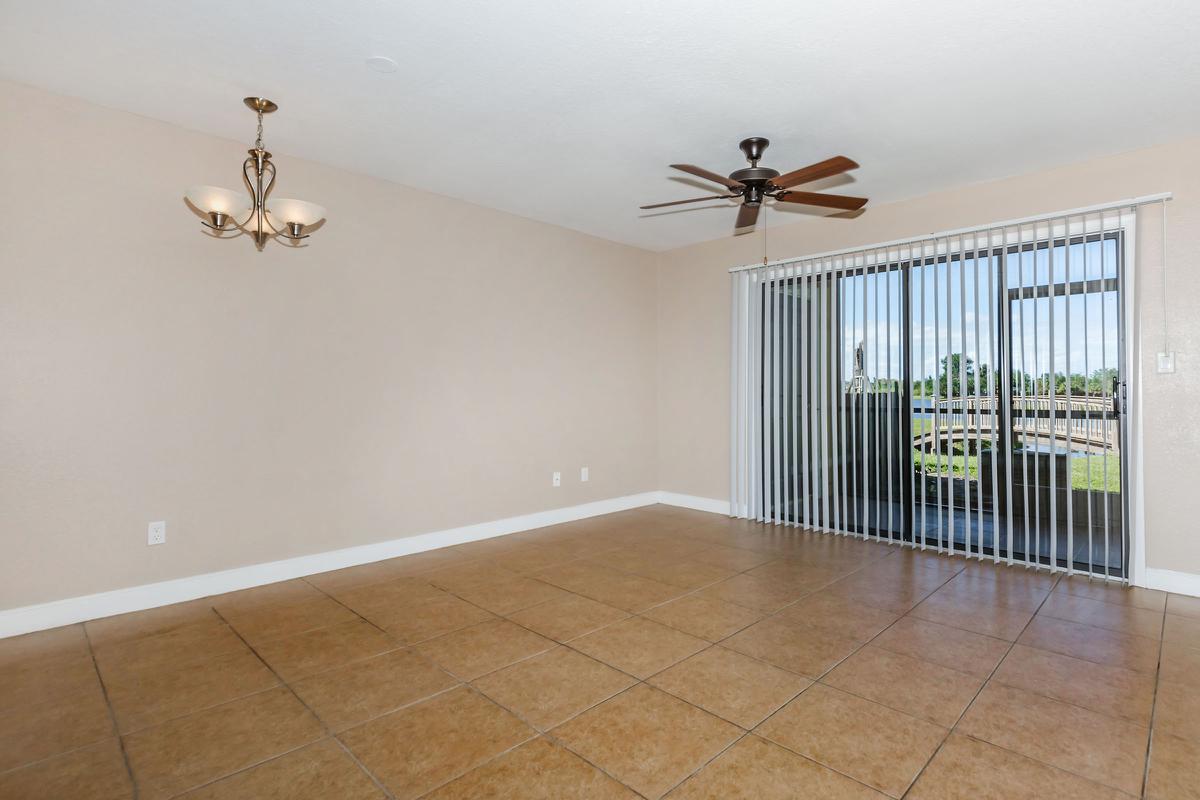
[834, 666]
[555, 644]
[547, 734]
[1154, 705]
[744, 732]
[380, 784]
[1114, 717]
[328, 733]
[637, 681]
[1068, 593]
[112, 715]
[748, 732]
[774, 557]
[538, 734]
[813, 681]
[459, 683]
[982, 686]
[1100, 629]
[247, 768]
[867, 558]
[332, 734]
[281, 682]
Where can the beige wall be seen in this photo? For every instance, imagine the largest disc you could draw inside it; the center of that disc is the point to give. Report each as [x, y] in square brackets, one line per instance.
[693, 329]
[424, 364]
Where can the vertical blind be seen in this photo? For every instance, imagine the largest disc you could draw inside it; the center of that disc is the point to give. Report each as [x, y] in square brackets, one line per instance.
[962, 392]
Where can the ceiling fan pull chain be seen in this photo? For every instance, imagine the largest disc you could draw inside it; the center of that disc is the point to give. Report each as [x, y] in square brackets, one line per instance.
[764, 242]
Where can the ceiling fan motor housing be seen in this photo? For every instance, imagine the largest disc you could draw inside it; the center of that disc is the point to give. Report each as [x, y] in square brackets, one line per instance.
[755, 180]
[754, 177]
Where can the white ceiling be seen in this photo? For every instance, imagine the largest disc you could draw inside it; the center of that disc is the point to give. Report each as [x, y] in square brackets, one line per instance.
[570, 111]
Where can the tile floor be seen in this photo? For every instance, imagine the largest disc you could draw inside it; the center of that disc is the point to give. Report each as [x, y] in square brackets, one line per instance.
[655, 652]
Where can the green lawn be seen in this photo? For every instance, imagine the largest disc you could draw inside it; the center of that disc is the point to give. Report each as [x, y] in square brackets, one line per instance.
[1080, 477]
[935, 464]
[944, 464]
[958, 464]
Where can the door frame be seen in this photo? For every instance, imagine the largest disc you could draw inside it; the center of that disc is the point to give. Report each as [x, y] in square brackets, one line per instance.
[1135, 506]
[1131, 347]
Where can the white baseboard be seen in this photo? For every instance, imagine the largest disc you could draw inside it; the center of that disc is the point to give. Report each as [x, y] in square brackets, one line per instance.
[1163, 579]
[26, 619]
[1168, 580]
[691, 501]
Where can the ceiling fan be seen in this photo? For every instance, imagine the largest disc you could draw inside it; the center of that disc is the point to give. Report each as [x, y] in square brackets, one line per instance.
[754, 184]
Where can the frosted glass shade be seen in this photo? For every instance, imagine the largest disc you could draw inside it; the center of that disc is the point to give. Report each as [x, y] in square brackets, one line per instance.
[297, 212]
[215, 200]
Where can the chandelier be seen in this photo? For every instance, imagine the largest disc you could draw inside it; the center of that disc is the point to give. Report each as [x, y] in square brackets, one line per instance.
[229, 214]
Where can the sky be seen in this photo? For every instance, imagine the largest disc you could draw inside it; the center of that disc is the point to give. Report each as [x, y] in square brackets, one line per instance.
[947, 302]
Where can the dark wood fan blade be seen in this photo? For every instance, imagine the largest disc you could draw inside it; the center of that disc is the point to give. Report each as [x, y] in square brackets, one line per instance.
[700, 172]
[693, 200]
[814, 172]
[827, 200]
[747, 216]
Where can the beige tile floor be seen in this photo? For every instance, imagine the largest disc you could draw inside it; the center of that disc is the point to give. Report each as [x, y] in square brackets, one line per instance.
[654, 652]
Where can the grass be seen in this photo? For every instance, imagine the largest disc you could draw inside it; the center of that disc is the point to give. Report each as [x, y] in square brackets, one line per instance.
[1081, 477]
[945, 464]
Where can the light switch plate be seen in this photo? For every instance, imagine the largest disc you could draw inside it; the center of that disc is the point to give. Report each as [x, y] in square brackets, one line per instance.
[1166, 362]
[583, 474]
[556, 479]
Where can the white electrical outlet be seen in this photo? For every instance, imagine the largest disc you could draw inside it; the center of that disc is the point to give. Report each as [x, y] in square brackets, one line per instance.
[1166, 361]
[556, 479]
[157, 533]
[583, 474]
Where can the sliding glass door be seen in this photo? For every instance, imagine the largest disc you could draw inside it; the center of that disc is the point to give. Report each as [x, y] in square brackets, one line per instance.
[834, 459]
[956, 421]
[964, 397]
[873, 397]
[1062, 434]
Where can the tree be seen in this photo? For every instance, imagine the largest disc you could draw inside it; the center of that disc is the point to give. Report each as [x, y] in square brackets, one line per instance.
[1100, 382]
[954, 368]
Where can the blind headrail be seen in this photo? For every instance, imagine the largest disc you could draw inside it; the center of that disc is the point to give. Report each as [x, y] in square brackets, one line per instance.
[1074, 212]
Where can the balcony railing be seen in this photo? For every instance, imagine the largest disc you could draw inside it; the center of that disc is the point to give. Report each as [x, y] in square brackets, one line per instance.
[1079, 421]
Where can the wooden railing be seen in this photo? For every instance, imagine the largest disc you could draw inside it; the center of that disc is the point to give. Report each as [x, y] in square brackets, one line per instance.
[1041, 417]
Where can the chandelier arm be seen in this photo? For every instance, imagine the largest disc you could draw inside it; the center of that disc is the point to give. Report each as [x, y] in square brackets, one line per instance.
[266, 194]
[271, 183]
[233, 223]
[216, 234]
[248, 165]
[266, 221]
[230, 222]
[233, 227]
